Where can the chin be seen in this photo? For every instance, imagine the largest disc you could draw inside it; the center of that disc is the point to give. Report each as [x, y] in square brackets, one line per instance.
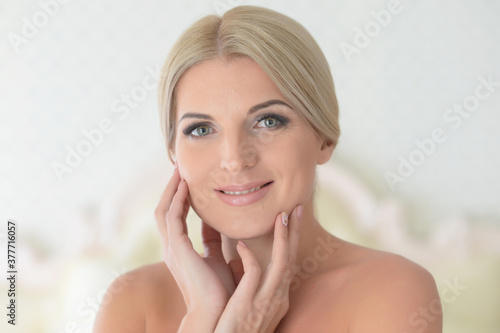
[239, 223]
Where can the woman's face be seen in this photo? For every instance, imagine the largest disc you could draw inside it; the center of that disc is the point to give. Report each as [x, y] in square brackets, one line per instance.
[245, 154]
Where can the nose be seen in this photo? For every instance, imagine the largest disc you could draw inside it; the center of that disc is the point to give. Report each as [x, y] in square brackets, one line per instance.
[238, 152]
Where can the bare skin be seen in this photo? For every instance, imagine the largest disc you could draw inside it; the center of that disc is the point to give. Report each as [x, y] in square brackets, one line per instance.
[336, 286]
[353, 291]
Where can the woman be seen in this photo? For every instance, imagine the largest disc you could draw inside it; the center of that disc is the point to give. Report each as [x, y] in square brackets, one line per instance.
[248, 109]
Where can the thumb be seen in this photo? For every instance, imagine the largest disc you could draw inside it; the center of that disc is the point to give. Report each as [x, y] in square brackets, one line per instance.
[236, 266]
[211, 240]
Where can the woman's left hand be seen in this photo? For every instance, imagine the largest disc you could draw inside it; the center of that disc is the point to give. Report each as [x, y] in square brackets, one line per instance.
[259, 303]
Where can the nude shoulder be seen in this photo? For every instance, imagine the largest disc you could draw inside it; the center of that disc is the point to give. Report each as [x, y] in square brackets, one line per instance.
[391, 292]
[366, 260]
[140, 300]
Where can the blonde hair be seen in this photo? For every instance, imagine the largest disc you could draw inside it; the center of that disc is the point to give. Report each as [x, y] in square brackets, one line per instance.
[282, 47]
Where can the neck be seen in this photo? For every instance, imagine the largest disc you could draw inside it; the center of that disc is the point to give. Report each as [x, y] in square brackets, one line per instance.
[312, 235]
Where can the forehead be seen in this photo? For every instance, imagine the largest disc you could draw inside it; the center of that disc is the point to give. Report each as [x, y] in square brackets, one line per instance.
[219, 85]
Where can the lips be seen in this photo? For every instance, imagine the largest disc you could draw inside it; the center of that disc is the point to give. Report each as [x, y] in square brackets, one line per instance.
[243, 189]
[242, 195]
[233, 191]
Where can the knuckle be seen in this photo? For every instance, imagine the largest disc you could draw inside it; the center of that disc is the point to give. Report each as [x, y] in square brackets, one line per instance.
[169, 215]
[282, 268]
[159, 212]
[211, 243]
[185, 241]
[288, 275]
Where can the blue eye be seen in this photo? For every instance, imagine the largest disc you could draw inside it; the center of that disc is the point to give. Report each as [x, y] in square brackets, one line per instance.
[198, 130]
[201, 131]
[271, 121]
[265, 121]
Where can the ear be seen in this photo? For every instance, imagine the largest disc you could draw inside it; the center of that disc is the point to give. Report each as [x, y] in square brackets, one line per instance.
[171, 155]
[326, 151]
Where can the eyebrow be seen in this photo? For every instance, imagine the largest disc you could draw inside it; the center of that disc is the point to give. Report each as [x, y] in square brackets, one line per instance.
[253, 109]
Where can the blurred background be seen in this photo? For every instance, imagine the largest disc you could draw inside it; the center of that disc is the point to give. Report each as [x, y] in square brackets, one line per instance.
[83, 163]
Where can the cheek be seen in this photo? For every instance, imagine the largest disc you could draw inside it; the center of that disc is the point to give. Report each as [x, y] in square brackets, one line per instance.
[306, 158]
[191, 161]
[196, 168]
[296, 167]
[300, 173]
[297, 153]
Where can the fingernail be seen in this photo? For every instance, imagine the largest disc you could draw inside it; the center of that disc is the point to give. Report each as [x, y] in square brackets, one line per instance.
[299, 212]
[284, 218]
[178, 187]
[242, 243]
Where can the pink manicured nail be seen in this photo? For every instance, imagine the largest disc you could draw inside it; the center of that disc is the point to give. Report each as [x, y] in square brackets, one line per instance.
[299, 212]
[284, 218]
[242, 243]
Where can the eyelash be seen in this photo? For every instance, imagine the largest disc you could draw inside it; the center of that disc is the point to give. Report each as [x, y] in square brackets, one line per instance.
[282, 121]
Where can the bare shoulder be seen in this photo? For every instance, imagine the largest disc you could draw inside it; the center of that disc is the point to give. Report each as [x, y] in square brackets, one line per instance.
[391, 294]
[145, 299]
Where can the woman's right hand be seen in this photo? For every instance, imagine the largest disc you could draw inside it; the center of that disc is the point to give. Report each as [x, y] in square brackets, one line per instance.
[206, 283]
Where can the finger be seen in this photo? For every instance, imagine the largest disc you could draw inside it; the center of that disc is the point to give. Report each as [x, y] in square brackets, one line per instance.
[280, 243]
[187, 205]
[176, 226]
[294, 226]
[248, 284]
[279, 264]
[211, 239]
[165, 202]
[294, 222]
[185, 211]
[237, 270]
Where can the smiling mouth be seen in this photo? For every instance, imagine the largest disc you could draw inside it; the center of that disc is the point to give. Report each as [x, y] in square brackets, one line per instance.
[246, 191]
